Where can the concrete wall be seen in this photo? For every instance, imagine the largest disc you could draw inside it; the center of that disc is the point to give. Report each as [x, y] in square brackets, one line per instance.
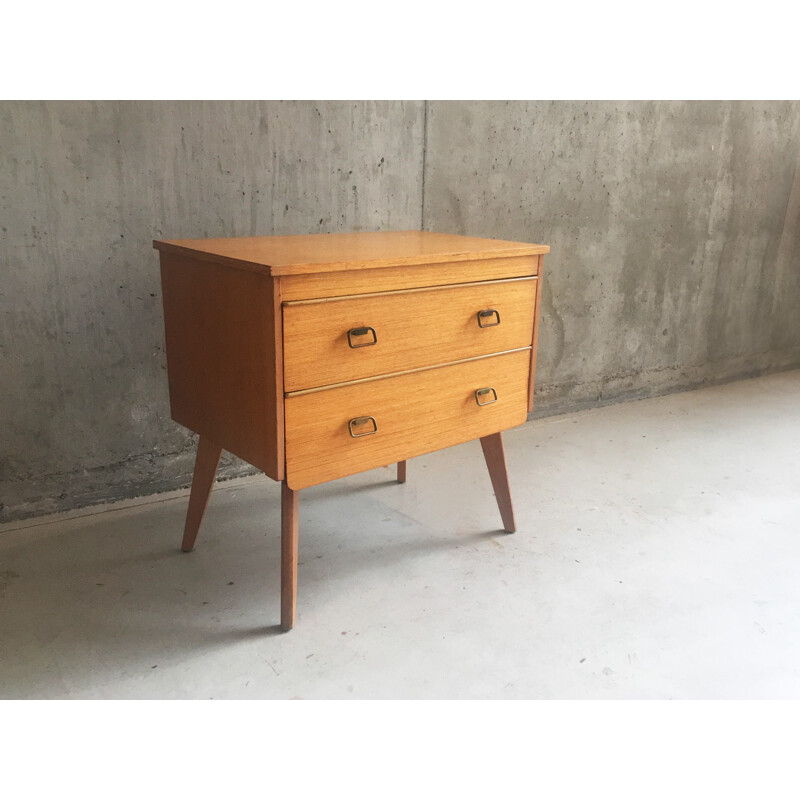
[675, 230]
[84, 189]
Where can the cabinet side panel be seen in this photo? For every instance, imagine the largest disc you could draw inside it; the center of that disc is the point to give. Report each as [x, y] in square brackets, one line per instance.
[536, 311]
[224, 365]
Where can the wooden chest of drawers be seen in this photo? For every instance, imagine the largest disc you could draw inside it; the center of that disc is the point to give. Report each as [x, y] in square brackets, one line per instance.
[315, 357]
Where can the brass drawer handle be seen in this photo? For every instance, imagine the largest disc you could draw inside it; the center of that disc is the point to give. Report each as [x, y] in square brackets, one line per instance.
[362, 421]
[484, 393]
[489, 312]
[361, 332]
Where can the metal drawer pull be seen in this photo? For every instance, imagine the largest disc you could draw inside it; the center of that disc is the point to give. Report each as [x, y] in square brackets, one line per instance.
[489, 312]
[361, 332]
[362, 421]
[479, 393]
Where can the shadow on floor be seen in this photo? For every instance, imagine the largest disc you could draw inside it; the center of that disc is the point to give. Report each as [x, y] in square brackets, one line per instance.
[113, 592]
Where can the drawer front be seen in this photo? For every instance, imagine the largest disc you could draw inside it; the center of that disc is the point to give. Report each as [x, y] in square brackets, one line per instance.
[414, 414]
[340, 340]
[387, 279]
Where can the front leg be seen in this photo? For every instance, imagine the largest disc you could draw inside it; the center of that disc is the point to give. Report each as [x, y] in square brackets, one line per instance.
[289, 526]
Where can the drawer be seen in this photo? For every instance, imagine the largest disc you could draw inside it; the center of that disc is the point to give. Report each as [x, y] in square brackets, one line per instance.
[337, 340]
[414, 413]
[389, 279]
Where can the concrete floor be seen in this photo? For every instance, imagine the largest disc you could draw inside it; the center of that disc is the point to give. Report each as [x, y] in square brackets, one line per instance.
[657, 557]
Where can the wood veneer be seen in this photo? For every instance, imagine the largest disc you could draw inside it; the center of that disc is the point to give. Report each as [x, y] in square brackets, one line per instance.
[259, 365]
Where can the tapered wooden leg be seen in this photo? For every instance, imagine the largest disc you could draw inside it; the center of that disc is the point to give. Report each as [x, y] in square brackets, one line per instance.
[205, 470]
[289, 515]
[401, 471]
[496, 462]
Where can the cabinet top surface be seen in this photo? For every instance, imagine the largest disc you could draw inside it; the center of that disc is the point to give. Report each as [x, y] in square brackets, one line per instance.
[333, 252]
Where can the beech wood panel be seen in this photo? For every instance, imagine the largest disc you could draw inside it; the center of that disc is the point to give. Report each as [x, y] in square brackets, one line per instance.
[415, 414]
[411, 330]
[426, 368]
[336, 252]
[225, 368]
[320, 285]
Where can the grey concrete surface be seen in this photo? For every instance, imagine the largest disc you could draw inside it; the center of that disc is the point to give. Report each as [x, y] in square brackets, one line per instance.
[656, 558]
[84, 189]
[674, 228]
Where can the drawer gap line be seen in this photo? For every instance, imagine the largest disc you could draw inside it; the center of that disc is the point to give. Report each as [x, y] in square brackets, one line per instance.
[325, 388]
[317, 300]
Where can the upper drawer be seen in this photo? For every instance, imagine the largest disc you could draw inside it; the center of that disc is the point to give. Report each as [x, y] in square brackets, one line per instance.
[324, 341]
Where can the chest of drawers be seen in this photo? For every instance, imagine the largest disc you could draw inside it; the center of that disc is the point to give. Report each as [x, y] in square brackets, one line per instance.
[315, 357]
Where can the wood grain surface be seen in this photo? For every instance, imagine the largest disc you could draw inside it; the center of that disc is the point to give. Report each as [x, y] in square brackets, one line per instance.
[225, 368]
[411, 330]
[337, 284]
[415, 414]
[335, 252]
[205, 470]
[289, 550]
[495, 457]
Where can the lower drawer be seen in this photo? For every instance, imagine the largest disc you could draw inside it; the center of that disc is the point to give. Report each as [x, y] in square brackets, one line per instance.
[412, 414]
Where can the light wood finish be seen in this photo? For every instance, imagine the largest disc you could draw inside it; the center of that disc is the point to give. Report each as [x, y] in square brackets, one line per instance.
[325, 388]
[496, 463]
[344, 252]
[536, 317]
[225, 305]
[289, 540]
[205, 470]
[336, 284]
[225, 367]
[429, 327]
[415, 413]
